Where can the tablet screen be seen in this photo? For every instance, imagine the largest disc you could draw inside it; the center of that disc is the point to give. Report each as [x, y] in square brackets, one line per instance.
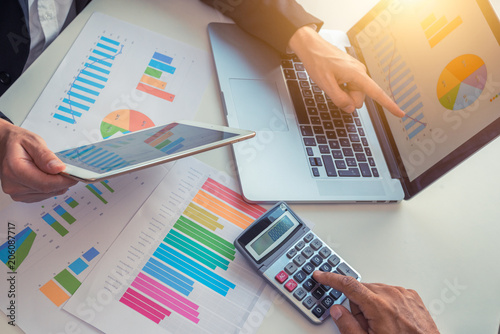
[141, 147]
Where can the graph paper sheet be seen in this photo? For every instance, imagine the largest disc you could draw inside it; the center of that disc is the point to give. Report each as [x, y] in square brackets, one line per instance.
[118, 78]
[174, 267]
[57, 243]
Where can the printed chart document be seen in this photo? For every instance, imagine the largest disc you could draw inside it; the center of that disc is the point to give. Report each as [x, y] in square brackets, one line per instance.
[117, 78]
[174, 268]
[54, 244]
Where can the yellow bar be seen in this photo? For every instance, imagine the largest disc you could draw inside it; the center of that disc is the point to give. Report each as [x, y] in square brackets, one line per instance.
[54, 293]
[203, 217]
[153, 82]
[435, 27]
[428, 21]
[160, 139]
[445, 32]
[222, 209]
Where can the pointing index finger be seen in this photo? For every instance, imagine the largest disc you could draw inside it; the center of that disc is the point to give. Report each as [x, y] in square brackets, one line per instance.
[374, 91]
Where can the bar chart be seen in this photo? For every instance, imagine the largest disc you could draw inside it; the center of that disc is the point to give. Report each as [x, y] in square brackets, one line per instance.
[60, 288]
[90, 81]
[401, 84]
[96, 158]
[191, 255]
[59, 214]
[20, 247]
[154, 80]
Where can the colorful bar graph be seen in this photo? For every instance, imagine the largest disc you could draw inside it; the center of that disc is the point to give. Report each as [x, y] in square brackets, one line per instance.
[69, 282]
[154, 80]
[21, 246]
[65, 214]
[168, 276]
[436, 30]
[55, 224]
[90, 81]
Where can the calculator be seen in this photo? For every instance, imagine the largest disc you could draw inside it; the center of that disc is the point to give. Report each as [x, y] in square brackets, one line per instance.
[286, 253]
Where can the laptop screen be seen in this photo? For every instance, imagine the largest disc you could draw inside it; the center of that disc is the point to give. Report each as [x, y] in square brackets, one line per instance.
[439, 61]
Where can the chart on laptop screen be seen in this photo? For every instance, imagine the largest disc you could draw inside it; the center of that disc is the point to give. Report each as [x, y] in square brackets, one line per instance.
[428, 58]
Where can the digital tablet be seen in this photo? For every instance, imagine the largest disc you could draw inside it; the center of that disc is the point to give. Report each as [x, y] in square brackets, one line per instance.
[145, 148]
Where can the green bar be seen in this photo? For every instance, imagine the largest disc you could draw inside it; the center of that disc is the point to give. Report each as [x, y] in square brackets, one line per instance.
[69, 218]
[183, 248]
[59, 228]
[73, 204]
[211, 235]
[204, 239]
[96, 194]
[68, 281]
[105, 184]
[152, 72]
[162, 144]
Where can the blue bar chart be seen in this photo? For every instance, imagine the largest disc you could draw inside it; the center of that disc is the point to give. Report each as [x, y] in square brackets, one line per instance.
[89, 82]
[402, 85]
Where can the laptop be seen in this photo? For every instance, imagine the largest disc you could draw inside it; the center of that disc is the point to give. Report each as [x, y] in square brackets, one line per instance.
[425, 54]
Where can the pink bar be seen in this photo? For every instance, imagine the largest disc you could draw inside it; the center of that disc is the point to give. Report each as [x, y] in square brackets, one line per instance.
[142, 307]
[150, 303]
[232, 198]
[162, 294]
[173, 293]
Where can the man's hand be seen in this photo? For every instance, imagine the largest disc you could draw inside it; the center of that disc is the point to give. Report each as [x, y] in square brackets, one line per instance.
[342, 78]
[28, 169]
[377, 308]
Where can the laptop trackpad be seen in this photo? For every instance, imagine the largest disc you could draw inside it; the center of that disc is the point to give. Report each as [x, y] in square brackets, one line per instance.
[258, 105]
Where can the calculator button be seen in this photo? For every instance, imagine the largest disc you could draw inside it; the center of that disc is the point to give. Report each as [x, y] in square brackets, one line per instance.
[309, 284]
[344, 269]
[316, 244]
[325, 252]
[299, 260]
[281, 277]
[307, 252]
[291, 253]
[326, 288]
[318, 311]
[316, 260]
[308, 237]
[318, 293]
[290, 268]
[291, 285]
[300, 293]
[309, 302]
[334, 260]
[326, 267]
[300, 245]
[300, 276]
[308, 268]
[335, 294]
[328, 301]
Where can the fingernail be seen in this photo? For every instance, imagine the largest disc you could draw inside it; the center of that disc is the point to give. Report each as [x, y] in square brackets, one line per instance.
[54, 164]
[336, 313]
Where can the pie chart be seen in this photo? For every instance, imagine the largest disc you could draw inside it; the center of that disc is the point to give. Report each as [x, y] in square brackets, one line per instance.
[461, 82]
[124, 121]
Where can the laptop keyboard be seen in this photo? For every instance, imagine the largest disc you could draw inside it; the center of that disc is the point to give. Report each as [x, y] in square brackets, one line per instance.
[334, 141]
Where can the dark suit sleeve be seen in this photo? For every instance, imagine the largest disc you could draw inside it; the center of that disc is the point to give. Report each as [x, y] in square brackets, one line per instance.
[2, 116]
[273, 21]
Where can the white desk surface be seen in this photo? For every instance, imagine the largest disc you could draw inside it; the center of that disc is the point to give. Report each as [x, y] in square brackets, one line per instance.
[447, 235]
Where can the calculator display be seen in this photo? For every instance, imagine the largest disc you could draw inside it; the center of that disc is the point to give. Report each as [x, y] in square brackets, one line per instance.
[272, 236]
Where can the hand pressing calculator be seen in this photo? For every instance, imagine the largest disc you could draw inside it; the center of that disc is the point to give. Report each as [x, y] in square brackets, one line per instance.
[286, 252]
